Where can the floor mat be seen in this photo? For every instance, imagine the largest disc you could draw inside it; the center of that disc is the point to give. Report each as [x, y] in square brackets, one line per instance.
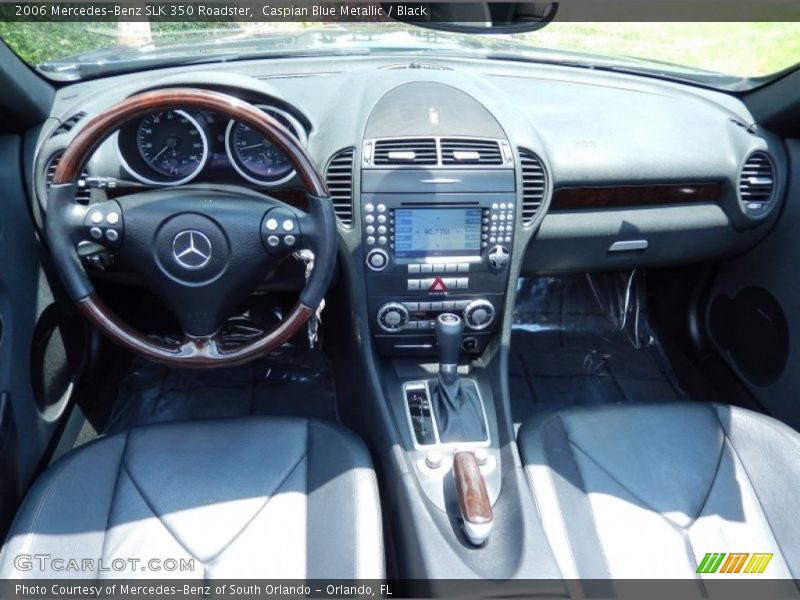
[296, 382]
[585, 339]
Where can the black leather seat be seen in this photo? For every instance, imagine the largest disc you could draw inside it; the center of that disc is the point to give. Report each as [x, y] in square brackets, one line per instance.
[252, 498]
[646, 491]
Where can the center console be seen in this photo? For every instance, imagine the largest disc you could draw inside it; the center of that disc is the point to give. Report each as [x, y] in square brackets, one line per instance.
[435, 241]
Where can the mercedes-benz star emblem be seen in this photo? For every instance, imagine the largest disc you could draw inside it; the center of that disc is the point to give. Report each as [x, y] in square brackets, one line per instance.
[191, 249]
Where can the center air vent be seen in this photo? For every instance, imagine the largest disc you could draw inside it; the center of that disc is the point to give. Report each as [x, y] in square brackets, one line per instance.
[405, 151]
[534, 184]
[83, 194]
[757, 183]
[462, 151]
[339, 178]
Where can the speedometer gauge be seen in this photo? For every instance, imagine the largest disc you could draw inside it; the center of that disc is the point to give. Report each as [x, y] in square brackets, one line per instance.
[172, 143]
[254, 157]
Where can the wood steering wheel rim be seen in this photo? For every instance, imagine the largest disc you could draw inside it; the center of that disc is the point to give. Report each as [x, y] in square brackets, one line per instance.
[192, 351]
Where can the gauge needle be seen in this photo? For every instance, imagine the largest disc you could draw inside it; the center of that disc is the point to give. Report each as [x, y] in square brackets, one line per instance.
[164, 149]
[253, 146]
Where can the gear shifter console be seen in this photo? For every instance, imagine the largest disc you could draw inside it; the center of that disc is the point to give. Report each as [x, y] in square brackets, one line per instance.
[449, 329]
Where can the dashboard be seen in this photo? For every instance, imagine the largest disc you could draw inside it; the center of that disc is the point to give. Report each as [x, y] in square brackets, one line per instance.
[451, 177]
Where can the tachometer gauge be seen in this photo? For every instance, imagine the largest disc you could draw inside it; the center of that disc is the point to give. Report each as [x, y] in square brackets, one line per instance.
[254, 157]
[173, 144]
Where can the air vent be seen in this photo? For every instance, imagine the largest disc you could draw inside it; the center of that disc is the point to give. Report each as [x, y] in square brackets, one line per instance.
[534, 183]
[83, 194]
[757, 182]
[69, 123]
[339, 177]
[470, 152]
[405, 151]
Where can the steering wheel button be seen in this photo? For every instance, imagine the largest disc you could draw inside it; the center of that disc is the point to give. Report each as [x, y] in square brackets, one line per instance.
[289, 240]
[96, 217]
[112, 218]
[112, 235]
[96, 233]
[273, 240]
[272, 224]
[288, 225]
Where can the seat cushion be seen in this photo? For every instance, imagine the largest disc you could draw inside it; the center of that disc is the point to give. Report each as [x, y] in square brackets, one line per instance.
[252, 497]
[647, 491]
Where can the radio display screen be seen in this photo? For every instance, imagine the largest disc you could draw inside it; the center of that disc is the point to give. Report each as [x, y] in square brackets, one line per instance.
[420, 232]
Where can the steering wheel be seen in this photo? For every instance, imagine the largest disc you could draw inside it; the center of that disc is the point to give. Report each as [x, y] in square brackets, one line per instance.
[201, 250]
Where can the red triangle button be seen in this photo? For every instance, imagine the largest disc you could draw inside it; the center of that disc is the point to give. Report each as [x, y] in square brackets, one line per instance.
[438, 285]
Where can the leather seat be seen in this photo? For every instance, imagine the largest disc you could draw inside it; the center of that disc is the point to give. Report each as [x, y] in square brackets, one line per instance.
[240, 498]
[646, 491]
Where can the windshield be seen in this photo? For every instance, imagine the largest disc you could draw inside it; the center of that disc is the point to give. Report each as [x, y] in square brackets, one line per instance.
[726, 55]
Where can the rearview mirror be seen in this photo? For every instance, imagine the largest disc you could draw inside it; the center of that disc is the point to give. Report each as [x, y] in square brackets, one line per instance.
[474, 17]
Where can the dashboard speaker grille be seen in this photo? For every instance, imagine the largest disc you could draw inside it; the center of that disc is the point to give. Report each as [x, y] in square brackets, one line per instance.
[405, 151]
[757, 180]
[84, 193]
[339, 178]
[534, 183]
[457, 151]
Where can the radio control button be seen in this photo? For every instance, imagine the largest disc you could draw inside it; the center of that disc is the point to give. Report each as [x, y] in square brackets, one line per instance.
[451, 267]
[369, 219]
[369, 208]
[463, 267]
[412, 306]
[493, 229]
[413, 268]
[492, 240]
[382, 241]
[381, 218]
[381, 208]
[424, 306]
[426, 269]
[382, 229]
[377, 260]
[508, 238]
[495, 206]
[370, 229]
[484, 245]
[462, 283]
[413, 284]
[436, 306]
[370, 241]
[450, 281]
[494, 217]
[438, 268]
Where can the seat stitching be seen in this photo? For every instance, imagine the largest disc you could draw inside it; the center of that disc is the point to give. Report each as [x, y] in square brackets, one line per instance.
[114, 493]
[549, 471]
[157, 516]
[351, 468]
[586, 497]
[755, 493]
[713, 480]
[269, 498]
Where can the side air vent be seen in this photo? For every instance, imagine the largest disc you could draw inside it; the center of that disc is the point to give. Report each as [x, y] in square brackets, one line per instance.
[69, 123]
[83, 195]
[534, 183]
[757, 183]
[405, 151]
[339, 177]
[457, 151]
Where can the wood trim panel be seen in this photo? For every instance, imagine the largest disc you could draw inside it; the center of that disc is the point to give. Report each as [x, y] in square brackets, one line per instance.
[630, 196]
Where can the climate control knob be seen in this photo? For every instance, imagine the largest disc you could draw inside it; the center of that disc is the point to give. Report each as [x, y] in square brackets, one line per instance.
[479, 314]
[392, 317]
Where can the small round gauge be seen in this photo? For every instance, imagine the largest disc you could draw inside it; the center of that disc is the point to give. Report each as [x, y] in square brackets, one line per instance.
[254, 157]
[173, 144]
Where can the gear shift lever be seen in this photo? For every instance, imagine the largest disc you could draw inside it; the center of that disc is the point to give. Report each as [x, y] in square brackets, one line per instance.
[458, 410]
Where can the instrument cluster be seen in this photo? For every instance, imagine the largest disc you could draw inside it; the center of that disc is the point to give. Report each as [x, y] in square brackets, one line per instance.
[173, 147]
